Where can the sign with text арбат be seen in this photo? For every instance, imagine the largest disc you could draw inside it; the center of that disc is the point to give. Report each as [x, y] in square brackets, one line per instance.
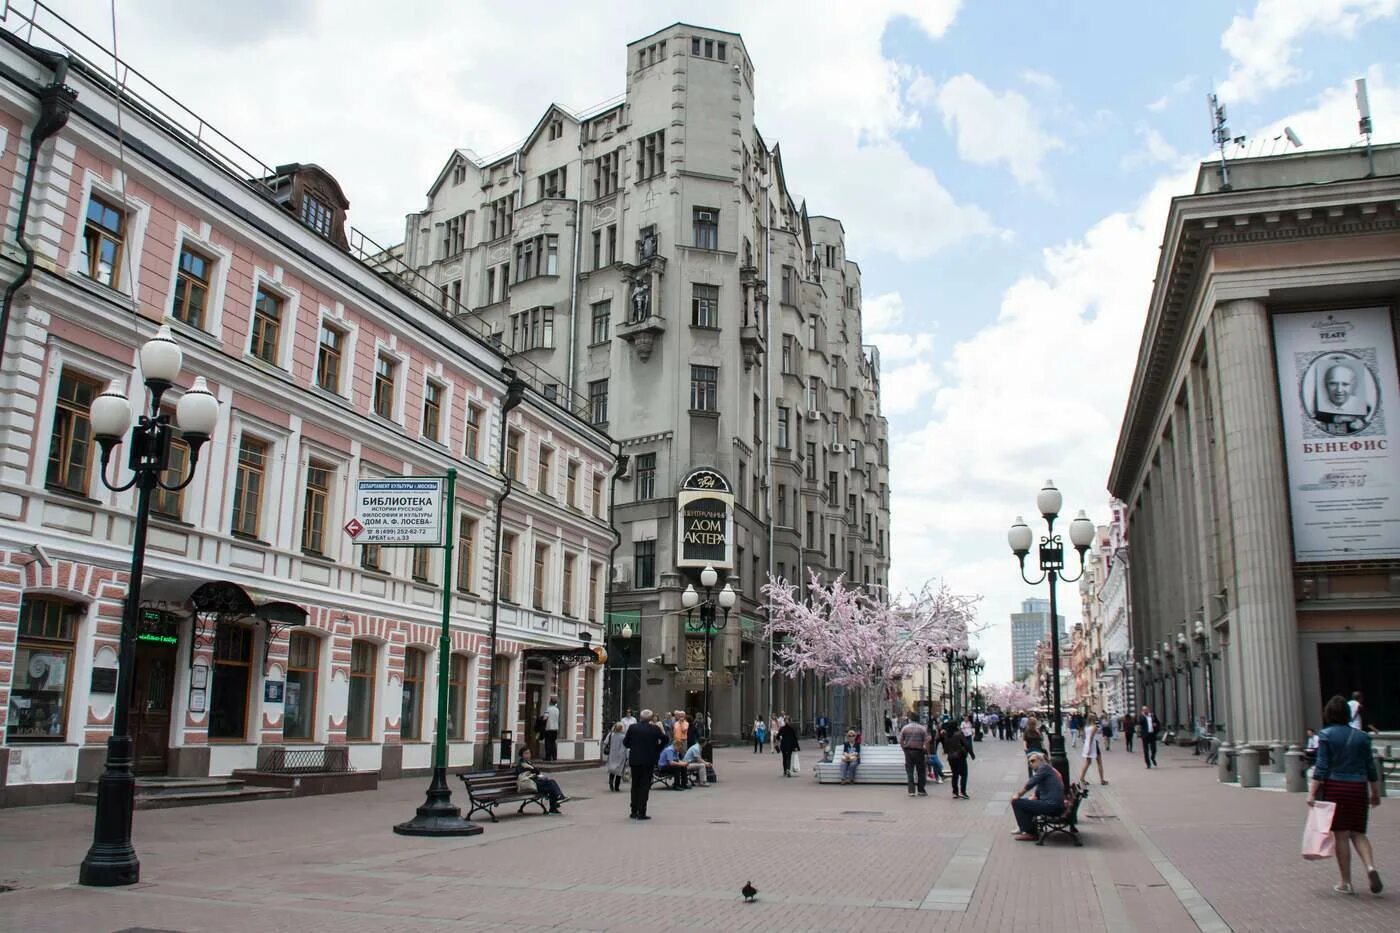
[1337, 393]
[398, 510]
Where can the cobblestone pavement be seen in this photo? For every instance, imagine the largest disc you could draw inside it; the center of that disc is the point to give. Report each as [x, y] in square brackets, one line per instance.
[1168, 849]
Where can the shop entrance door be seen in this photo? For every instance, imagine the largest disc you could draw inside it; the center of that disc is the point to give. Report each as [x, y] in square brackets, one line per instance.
[533, 707]
[151, 691]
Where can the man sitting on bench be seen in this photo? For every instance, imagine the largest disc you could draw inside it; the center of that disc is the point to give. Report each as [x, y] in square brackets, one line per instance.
[695, 763]
[1049, 799]
[528, 779]
[672, 761]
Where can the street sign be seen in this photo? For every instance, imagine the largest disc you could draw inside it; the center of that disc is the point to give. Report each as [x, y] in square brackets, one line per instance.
[398, 511]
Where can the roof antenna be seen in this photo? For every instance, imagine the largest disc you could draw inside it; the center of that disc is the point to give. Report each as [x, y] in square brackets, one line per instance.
[1220, 134]
[1363, 108]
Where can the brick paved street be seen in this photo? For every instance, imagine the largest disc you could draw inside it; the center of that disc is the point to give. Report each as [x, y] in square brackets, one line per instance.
[1164, 850]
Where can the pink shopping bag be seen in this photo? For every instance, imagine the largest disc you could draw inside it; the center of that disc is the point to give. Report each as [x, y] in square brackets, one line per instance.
[1318, 841]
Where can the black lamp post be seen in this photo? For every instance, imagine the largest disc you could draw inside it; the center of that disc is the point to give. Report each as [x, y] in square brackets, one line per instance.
[112, 860]
[690, 599]
[1207, 662]
[623, 641]
[1052, 565]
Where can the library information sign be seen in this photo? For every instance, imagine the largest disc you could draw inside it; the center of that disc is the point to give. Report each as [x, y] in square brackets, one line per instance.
[399, 510]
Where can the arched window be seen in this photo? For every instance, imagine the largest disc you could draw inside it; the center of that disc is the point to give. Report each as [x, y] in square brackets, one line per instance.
[457, 697]
[299, 698]
[415, 662]
[233, 675]
[43, 671]
[364, 665]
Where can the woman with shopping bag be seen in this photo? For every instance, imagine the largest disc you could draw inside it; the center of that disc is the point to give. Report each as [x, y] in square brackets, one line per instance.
[1345, 766]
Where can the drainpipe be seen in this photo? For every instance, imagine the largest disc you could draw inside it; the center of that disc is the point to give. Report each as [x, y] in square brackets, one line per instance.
[515, 394]
[573, 280]
[618, 470]
[55, 103]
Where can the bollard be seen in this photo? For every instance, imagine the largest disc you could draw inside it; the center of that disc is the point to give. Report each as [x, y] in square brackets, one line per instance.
[1226, 763]
[1247, 765]
[1276, 753]
[1297, 780]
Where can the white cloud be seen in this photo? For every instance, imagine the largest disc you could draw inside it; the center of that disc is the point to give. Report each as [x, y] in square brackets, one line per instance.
[1038, 79]
[907, 372]
[1154, 150]
[1176, 90]
[1263, 45]
[994, 127]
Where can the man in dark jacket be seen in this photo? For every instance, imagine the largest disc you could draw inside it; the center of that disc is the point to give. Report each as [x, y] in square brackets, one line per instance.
[644, 741]
[1147, 730]
[1049, 796]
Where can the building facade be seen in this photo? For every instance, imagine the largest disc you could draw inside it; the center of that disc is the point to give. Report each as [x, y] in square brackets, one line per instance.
[263, 626]
[652, 254]
[1029, 627]
[1257, 453]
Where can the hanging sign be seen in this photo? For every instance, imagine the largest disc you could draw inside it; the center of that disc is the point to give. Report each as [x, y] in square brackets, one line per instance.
[1337, 394]
[705, 525]
[156, 627]
[398, 511]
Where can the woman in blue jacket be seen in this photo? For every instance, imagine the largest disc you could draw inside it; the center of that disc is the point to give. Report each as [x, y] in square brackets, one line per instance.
[1345, 766]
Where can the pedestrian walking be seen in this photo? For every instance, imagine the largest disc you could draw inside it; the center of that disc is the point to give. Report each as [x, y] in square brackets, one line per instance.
[935, 764]
[1106, 725]
[1345, 766]
[1147, 727]
[1091, 751]
[1129, 727]
[914, 739]
[1354, 708]
[959, 749]
[850, 757]
[644, 741]
[617, 755]
[1076, 723]
[823, 728]
[760, 735]
[786, 741]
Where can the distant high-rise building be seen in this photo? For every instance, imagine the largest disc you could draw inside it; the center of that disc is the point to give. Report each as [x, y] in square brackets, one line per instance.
[1031, 625]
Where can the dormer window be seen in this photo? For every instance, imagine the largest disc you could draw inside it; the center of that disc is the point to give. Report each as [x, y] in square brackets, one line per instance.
[556, 129]
[316, 215]
[459, 173]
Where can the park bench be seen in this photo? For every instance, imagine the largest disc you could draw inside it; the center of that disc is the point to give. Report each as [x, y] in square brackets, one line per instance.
[489, 789]
[1065, 823]
[879, 764]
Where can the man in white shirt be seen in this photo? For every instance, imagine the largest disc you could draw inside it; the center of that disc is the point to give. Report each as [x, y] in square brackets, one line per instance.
[551, 730]
[628, 720]
[1354, 704]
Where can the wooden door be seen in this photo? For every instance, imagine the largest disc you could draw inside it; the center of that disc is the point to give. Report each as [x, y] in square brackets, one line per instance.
[151, 692]
[533, 708]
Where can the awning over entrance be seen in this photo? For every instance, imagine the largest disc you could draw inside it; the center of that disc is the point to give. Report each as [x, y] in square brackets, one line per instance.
[191, 594]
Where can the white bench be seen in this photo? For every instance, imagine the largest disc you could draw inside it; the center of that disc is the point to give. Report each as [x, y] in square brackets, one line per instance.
[879, 764]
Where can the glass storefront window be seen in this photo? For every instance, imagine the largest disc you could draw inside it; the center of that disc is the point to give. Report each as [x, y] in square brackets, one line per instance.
[411, 723]
[363, 664]
[457, 698]
[299, 697]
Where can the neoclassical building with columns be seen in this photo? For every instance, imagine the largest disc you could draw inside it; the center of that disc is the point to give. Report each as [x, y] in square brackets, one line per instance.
[1257, 455]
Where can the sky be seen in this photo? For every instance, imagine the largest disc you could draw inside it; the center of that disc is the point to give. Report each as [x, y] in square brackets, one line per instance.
[1003, 172]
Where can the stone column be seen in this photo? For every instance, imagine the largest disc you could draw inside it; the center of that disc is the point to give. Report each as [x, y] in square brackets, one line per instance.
[1265, 622]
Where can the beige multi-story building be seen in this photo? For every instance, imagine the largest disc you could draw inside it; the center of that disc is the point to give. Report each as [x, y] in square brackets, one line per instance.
[651, 256]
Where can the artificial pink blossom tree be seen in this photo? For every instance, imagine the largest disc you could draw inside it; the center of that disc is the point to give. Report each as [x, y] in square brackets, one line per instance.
[1010, 697]
[848, 639]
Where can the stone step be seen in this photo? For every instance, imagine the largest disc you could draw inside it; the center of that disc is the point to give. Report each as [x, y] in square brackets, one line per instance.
[162, 786]
[165, 801]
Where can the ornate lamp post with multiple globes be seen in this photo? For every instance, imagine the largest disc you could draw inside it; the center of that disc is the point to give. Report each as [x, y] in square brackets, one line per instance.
[1052, 564]
[112, 860]
[690, 599]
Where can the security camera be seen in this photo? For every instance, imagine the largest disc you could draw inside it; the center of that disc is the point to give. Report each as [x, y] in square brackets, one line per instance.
[656, 660]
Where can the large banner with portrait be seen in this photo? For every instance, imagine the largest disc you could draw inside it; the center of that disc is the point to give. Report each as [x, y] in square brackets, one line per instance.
[1338, 394]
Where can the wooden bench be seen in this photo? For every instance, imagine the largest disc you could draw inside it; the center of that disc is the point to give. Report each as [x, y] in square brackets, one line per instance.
[1065, 823]
[489, 789]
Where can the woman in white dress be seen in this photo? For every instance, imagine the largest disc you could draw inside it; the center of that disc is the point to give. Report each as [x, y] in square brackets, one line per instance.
[1091, 749]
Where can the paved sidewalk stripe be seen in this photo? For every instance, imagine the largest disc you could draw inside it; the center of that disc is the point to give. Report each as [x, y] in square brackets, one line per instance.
[1200, 909]
[1115, 915]
[955, 886]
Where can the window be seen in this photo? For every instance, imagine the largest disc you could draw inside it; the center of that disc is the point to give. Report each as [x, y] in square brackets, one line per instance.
[232, 677]
[422, 564]
[267, 327]
[541, 561]
[743, 482]
[432, 410]
[605, 173]
[811, 471]
[532, 329]
[596, 592]
[757, 421]
[364, 664]
[454, 235]
[646, 476]
[831, 257]
[104, 238]
[704, 388]
[299, 694]
[498, 275]
[644, 563]
[787, 354]
[500, 217]
[721, 50]
[571, 485]
[457, 697]
[569, 561]
[191, 287]
[590, 687]
[328, 358]
[513, 455]
[784, 421]
[813, 393]
[598, 401]
[537, 256]
[43, 667]
[602, 319]
[313, 515]
[612, 244]
[789, 286]
[831, 488]
[651, 155]
[706, 227]
[411, 714]
[471, 444]
[781, 517]
[459, 173]
[646, 247]
[170, 503]
[556, 129]
[507, 558]
[704, 306]
[316, 214]
[70, 444]
[811, 539]
[466, 555]
[551, 391]
[597, 249]
[597, 496]
[385, 374]
[542, 484]
[248, 487]
[369, 557]
[552, 184]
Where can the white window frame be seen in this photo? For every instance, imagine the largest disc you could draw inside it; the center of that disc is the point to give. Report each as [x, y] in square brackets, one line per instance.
[351, 331]
[218, 282]
[445, 415]
[336, 544]
[401, 361]
[133, 241]
[104, 371]
[275, 487]
[271, 282]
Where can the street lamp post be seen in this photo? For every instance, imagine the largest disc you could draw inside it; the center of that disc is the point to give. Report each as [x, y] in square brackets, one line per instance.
[1207, 660]
[690, 599]
[1188, 668]
[112, 860]
[1052, 564]
[624, 648]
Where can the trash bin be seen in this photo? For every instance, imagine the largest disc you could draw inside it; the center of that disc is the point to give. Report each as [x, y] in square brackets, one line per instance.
[507, 740]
